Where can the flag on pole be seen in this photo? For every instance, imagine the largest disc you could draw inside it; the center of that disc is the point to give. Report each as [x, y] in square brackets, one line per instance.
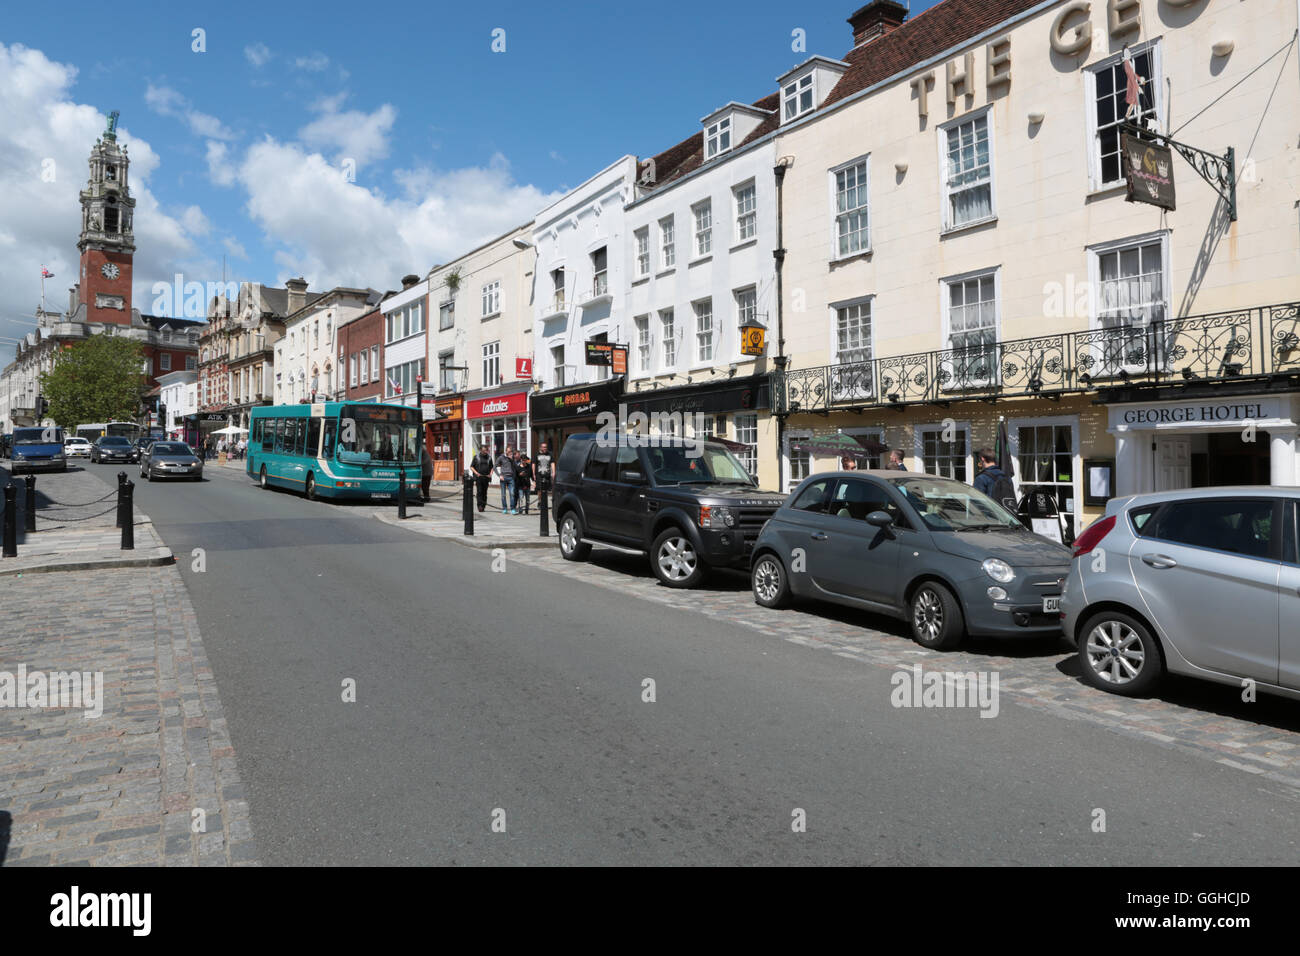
[46, 273]
[397, 389]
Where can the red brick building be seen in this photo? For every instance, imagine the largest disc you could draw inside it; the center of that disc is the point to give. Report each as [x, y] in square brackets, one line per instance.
[361, 358]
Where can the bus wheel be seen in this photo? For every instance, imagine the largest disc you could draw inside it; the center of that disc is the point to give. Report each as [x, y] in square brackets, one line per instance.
[262, 478]
[311, 487]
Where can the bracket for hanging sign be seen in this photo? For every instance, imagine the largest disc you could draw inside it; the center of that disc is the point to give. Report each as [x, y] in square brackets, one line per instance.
[1220, 172]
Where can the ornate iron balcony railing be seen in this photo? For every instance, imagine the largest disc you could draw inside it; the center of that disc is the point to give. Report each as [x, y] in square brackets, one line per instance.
[1243, 344]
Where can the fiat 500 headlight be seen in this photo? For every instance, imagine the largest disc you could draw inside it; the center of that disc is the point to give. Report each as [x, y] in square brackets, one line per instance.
[998, 570]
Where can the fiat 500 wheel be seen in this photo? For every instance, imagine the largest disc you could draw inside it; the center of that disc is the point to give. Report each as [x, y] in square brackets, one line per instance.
[936, 617]
[769, 582]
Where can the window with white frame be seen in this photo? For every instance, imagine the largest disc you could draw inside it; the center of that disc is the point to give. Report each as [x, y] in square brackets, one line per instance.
[797, 96]
[557, 289]
[491, 364]
[490, 297]
[446, 316]
[853, 333]
[315, 334]
[746, 306]
[642, 239]
[402, 379]
[972, 329]
[600, 271]
[703, 213]
[643, 356]
[415, 318]
[1131, 287]
[668, 329]
[703, 330]
[852, 234]
[1045, 456]
[365, 365]
[446, 374]
[745, 215]
[374, 363]
[943, 452]
[800, 462]
[1108, 88]
[165, 361]
[717, 138]
[557, 363]
[968, 172]
[667, 243]
[190, 364]
[353, 364]
[747, 435]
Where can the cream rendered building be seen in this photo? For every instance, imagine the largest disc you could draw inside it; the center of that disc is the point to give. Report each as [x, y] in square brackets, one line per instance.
[305, 364]
[960, 250]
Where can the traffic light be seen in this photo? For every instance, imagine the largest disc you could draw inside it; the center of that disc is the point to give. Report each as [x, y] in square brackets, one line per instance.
[162, 415]
[42, 406]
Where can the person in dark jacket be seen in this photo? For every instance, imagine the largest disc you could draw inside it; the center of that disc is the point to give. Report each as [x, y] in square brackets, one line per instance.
[993, 481]
[506, 472]
[481, 466]
[426, 471]
[523, 479]
[896, 461]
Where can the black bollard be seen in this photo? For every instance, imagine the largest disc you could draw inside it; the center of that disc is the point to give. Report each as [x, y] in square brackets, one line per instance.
[401, 493]
[469, 504]
[544, 508]
[11, 522]
[121, 483]
[127, 512]
[29, 504]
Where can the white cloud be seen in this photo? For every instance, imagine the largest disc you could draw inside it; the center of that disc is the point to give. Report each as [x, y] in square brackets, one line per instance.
[166, 101]
[258, 54]
[340, 233]
[352, 134]
[195, 222]
[313, 64]
[220, 169]
[45, 139]
[234, 248]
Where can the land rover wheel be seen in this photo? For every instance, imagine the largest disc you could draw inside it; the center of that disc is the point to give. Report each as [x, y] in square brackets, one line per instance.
[769, 581]
[572, 547]
[936, 617]
[675, 561]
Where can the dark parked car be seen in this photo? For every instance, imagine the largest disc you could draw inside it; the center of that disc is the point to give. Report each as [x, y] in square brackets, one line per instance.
[933, 551]
[1203, 582]
[109, 448]
[689, 505]
[170, 459]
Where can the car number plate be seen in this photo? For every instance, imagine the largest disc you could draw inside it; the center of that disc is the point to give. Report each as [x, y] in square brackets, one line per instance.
[1051, 605]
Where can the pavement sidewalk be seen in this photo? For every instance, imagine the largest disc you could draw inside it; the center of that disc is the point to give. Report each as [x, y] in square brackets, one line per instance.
[75, 517]
[443, 518]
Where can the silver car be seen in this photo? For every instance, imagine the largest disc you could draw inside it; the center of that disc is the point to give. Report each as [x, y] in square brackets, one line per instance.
[1203, 582]
[170, 459]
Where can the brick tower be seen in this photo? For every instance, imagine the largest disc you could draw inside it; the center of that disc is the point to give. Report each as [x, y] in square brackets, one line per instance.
[107, 242]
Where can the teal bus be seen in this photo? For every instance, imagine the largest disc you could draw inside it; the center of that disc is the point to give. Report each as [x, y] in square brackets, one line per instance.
[335, 449]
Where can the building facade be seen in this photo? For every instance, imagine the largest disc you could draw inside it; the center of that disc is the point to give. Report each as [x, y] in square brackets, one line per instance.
[177, 402]
[405, 349]
[961, 254]
[305, 361]
[361, 358]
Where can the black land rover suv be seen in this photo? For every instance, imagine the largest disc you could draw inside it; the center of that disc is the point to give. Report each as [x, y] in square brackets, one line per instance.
[688, 505]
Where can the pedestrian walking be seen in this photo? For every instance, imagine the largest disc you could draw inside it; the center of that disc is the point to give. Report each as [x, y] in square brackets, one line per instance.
[544, 467]
[896, 460]
[481, 466]
[995, 482]
[426, 471]
[849, 463]
[505, 470]
[523, 480]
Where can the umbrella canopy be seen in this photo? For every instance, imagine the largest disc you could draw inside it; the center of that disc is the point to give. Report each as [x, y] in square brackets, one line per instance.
[844, 446]
[230, 430]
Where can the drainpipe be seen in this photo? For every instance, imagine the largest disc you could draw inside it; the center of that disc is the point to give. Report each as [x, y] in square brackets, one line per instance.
[778, 254]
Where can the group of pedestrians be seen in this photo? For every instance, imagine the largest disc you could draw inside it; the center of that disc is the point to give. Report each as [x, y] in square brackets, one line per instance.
[519, 475]
[236, 449]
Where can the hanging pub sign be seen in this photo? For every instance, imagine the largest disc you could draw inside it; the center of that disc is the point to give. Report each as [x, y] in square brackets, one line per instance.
[618, 360]
[600, 353]
[1148, 171]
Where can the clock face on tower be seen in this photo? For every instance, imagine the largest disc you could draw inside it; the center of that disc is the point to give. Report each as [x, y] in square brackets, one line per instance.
[110, 270]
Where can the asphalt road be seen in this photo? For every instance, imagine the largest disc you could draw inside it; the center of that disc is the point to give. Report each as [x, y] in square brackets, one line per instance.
[521, 692]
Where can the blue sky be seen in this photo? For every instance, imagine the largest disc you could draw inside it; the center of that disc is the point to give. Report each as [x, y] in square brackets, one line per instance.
[234, 149]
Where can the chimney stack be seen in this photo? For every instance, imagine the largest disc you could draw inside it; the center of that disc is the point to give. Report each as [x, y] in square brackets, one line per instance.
[297, 298]
[409, 280]
[875, 19]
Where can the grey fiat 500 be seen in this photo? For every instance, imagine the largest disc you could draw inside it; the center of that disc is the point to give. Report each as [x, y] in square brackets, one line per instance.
[933, 551]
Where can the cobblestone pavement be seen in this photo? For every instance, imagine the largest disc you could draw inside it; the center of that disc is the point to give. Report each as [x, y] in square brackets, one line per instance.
[1208, 719]
[120, 788]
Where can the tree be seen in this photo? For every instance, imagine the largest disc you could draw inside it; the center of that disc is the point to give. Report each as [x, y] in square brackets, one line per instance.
[98, 380]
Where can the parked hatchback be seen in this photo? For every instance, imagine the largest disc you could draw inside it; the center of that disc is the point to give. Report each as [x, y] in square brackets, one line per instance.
[934, 551]
[1203, 582]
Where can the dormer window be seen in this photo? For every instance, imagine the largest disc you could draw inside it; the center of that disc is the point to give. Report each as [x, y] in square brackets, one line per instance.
[797, 97]
[717, 138]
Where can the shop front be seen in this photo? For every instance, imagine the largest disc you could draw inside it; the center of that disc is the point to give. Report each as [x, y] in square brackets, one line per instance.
[1204, 442]
[562, 412]
[497, 420]
[444, 435]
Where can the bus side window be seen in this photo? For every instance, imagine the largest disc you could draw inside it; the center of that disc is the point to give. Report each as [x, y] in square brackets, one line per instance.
[279, 436]
[330, 427]
[268, 435]
[313, 437]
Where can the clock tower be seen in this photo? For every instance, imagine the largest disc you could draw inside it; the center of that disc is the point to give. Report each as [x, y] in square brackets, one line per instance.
[107, 242]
